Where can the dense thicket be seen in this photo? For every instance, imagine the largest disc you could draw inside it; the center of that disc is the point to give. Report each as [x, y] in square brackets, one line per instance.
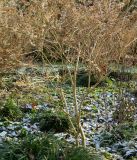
[100, 31]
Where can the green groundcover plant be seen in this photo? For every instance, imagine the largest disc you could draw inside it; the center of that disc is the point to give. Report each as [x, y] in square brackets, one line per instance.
[44, 147]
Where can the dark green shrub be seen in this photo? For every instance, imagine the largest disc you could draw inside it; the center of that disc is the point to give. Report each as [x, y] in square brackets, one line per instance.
[51, 121]
[82, 77]
[10, 109]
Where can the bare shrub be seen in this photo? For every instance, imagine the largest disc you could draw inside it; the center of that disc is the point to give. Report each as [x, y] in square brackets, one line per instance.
[21, 30]
[61, 29]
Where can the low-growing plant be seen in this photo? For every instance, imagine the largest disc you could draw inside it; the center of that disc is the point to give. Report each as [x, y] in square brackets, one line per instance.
[124, 112]
[80, 153]
[33, 147]
[125, 131]
[45, 147]
[121, 132]
[10, 109]
[52, 121]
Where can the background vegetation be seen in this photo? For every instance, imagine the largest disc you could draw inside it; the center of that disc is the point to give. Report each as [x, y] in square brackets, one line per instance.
[87, 39]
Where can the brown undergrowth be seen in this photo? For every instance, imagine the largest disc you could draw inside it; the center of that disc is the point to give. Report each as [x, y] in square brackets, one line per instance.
[60, 30]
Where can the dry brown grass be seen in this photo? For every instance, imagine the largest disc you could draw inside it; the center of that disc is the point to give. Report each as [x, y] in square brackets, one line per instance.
[62, 29]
